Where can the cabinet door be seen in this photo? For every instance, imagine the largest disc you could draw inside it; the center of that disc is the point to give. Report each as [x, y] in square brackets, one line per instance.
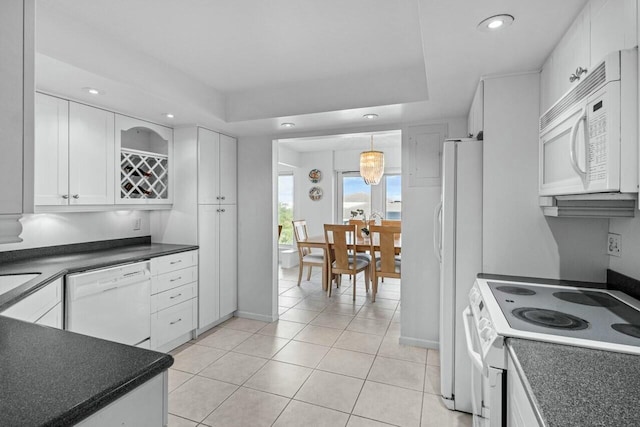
[228, 259]
[613, 27]
[51, 151]
[91, 155]
[547, 91]
[16, 108]
[227, 167]
[208, 169]
[572, 52]
[208, 285]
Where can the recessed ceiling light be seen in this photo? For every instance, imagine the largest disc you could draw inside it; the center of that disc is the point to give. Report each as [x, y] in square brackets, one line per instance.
[370, 116]
[287, 125]
[93, 91]
[168, 115]
[496, 22]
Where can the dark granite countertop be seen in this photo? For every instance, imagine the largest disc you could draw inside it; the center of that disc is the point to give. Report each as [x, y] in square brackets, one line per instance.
[50, 377]
[54, 262]
[575, 386]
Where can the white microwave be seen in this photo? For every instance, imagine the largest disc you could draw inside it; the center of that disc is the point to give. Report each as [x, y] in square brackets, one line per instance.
[589, 137]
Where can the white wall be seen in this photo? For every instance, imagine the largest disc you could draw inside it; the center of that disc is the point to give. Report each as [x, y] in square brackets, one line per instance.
[629, 229]
[257, 245]
[54, 229]
[420, 293]
[320, 212]
[517, 238]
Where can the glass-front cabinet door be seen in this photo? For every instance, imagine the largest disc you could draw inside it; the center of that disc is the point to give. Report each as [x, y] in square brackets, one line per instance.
[144, 168]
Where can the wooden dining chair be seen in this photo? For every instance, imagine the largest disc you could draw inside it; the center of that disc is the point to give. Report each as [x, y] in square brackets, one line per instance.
[391, 222]
[307, 258]
[279, 231]
[342, 259]
[386, 264]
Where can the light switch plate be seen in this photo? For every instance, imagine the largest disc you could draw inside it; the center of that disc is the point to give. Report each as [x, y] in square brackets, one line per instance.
[137, 224]
[614, 244]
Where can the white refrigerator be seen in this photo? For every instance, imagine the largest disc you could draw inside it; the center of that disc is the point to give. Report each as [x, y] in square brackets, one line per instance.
[459, 249]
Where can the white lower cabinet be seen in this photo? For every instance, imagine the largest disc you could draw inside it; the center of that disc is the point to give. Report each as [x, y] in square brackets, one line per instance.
[144, 406]
[520, 410]
[43, 307]
[174, 299]
[218, 295]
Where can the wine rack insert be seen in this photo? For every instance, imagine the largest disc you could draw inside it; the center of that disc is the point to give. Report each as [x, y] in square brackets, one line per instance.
[143, 175]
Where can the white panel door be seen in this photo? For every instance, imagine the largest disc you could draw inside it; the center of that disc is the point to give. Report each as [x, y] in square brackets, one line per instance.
[208, 288]
[208, 170]
[613, 27]
[227, 166]
[228, 259]
[91, 155]
[51, 150]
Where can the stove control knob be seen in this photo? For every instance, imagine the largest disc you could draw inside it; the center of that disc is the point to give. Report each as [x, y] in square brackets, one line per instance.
[486, 334]
[484, 323]
[474, 296]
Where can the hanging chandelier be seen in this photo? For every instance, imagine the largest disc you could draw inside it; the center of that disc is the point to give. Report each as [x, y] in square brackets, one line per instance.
[371, 165]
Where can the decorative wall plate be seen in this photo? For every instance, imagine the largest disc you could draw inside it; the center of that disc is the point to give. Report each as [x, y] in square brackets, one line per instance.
[315, 175]
[315, 193]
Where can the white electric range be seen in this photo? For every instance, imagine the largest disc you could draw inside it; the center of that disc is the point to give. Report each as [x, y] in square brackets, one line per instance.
[498, 309]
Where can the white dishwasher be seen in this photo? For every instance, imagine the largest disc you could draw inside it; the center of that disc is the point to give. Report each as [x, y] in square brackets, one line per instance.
[112, 303]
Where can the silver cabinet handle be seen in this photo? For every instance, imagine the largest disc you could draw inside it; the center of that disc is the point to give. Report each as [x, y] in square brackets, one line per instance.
[175, 262]
[176, 321]
[76, 196]
[222, 198]
[580, 71]
[175, 296]
[175, 280]
[218, 198]
[65, 196]
[222, 210]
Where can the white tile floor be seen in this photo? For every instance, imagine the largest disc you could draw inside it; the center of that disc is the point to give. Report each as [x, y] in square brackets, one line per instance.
[326, 362]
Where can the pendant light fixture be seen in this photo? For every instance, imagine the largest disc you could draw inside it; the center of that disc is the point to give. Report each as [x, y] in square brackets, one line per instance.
[371, 165]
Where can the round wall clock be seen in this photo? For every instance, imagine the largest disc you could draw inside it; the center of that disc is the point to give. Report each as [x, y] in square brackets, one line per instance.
[315, 193]
[315, 175]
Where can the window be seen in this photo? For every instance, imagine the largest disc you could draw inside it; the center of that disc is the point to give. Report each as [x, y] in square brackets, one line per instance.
[285, 208]
[353, 193]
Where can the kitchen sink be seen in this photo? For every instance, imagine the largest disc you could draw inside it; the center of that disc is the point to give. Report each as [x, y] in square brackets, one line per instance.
[12, 281]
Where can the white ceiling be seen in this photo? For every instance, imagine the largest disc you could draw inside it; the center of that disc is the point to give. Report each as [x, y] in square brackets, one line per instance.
[245, 66]
[353, 141]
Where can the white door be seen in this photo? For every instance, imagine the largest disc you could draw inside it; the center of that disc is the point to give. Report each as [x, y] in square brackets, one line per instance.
[208, 285]
[91, 155]
[51, 160]
[228, 258]
[208, 171]
[227, 167]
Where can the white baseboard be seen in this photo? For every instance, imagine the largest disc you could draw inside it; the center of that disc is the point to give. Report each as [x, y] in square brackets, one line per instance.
[417, 342]
[213, 325]
[255, 316]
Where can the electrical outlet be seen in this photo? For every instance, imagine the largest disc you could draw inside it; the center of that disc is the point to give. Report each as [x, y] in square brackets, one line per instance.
[137, 224]
[614, 244]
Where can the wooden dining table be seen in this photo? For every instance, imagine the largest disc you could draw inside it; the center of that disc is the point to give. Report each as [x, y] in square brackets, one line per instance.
[363, 244]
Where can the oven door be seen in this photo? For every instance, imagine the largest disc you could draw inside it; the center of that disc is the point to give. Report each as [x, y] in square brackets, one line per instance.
[486, 382]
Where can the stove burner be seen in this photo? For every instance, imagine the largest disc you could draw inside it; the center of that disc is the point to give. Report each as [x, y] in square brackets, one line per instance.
[594, 299]
[515, 290]
[627, 329]
[550, 318]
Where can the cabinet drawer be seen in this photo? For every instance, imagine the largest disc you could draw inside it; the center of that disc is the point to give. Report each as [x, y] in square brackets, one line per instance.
[165, 264]
[173, 296]
[38, 304]
[169, 324]
[164, 282]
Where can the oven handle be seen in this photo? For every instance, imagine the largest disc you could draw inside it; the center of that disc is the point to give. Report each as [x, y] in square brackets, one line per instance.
[574, 139]
[475, 356]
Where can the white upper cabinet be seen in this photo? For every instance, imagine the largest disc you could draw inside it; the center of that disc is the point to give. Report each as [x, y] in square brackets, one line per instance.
[143, 169]
[17, 31]
[613, 27]
[217, 179]
[603, 26]
[51, 160]
[90, 155]
[73, 153]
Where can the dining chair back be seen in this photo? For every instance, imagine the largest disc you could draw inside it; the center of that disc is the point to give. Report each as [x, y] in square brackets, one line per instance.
[341, 247]
[307, 258]
[395, 222]
[386, 264]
